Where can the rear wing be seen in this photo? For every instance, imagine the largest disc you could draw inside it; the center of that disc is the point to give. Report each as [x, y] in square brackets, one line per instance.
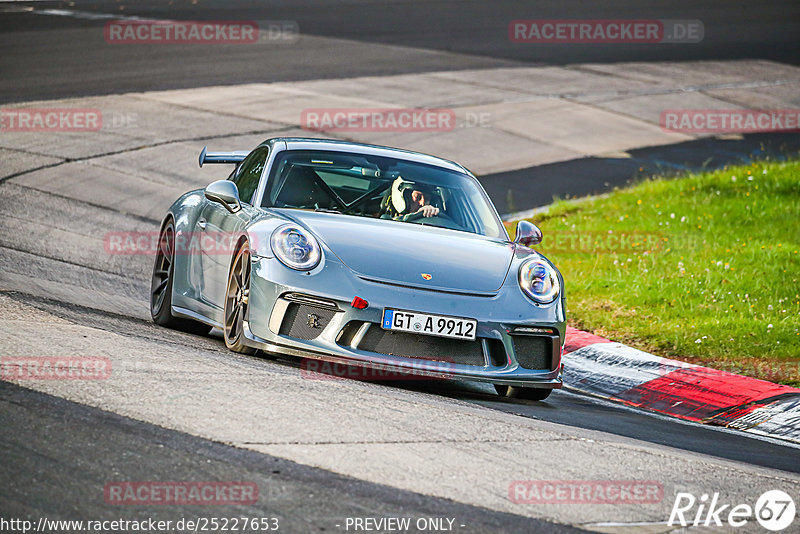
[222, 157]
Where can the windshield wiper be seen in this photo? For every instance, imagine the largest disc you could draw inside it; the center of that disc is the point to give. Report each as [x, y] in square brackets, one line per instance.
[327, 210]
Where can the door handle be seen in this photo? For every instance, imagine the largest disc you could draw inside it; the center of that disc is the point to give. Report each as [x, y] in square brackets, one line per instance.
[202, 224]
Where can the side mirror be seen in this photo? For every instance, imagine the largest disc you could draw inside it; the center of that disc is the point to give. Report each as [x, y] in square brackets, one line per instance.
[528, 234]
[226, 193]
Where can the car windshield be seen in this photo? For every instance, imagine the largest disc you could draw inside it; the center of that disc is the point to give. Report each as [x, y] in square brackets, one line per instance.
[380, 187]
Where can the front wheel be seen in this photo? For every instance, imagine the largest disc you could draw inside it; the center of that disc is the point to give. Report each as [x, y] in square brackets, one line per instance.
[161, 286]
[237, 298]
[514, 392]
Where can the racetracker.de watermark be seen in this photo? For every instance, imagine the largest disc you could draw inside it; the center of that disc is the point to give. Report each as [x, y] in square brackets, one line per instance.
[597, 31]
[323, 370]
[64, 120]
[152, 493]
[771, 371]
[565, 242]
[200, 32]
[55, 368]
[730, 120]
[184, 243]
[585, 492]
[378, 120]
[50, 120]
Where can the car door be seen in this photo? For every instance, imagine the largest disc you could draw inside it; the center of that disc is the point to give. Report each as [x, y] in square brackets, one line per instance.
[218, 228]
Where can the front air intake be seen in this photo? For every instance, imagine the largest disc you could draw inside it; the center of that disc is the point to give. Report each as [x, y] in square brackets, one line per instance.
[305, 322]
[534, 352]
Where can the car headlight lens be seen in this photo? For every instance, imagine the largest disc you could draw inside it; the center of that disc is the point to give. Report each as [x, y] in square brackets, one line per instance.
[295, 247]
[539, 281]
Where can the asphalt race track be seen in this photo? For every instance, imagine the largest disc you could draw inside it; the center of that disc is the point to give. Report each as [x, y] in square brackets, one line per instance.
[315, 498]
[49, 56]
[180, 407]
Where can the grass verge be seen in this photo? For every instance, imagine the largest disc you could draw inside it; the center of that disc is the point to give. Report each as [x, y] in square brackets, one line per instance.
[702, 268]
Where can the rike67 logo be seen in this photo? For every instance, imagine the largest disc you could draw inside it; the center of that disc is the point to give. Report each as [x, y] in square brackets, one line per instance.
[774, 510]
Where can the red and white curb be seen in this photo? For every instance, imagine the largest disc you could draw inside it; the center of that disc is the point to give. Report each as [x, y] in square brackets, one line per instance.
[617, 372]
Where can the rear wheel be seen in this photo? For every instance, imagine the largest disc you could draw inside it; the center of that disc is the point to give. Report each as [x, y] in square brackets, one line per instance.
[161, 286]
[514, 392]
[237, 298]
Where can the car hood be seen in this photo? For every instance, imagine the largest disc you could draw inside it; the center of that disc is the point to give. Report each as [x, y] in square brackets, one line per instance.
[408, 254]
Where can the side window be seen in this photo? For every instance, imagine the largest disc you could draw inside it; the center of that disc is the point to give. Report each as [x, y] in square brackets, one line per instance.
[249, 173]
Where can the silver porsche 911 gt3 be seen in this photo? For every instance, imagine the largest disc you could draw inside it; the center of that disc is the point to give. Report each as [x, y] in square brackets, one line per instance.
[366, 256]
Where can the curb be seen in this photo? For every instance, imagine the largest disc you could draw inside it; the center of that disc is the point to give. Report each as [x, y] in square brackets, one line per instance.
[613, 371]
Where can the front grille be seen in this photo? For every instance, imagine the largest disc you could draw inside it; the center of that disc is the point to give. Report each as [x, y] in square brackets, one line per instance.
[422, 347]
[533, 352]
[305, 322]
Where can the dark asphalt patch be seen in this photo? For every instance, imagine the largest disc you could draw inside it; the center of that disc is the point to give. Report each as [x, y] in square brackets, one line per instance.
[533, 187]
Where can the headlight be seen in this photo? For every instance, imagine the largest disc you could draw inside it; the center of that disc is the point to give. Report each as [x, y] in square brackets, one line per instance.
[539, 281]
[294, 247]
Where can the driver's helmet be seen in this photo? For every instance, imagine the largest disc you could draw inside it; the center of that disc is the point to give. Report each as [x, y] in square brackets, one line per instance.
[399, 199]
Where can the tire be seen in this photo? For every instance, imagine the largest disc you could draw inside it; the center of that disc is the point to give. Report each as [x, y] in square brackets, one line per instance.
[514, 392]
[161, 286]
[237, 294]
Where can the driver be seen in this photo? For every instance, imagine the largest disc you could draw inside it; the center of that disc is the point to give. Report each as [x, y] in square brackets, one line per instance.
[420, 203]
[407, 200]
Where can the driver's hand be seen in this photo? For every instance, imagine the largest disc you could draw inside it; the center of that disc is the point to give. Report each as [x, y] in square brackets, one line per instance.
[428, 211]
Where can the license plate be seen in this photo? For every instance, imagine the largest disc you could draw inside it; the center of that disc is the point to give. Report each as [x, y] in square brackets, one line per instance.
[431, 325]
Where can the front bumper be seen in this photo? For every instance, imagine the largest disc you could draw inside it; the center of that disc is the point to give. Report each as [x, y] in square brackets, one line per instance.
[517, 343]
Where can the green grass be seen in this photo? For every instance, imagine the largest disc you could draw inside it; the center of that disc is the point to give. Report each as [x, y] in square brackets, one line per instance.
[709, 273]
